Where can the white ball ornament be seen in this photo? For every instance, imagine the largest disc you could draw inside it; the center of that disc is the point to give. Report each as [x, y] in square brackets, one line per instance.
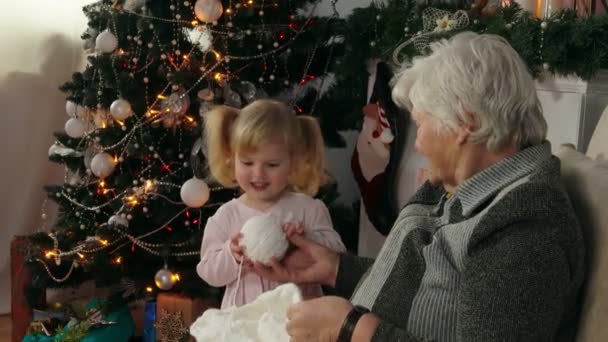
[102, 165]
[70, 108]
[194, 193]
[74, 128]
[120, 109]
[208, 11]
[263, 238]
[106, 42]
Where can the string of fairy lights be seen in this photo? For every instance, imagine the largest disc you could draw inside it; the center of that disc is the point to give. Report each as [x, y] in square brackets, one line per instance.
[169, 108]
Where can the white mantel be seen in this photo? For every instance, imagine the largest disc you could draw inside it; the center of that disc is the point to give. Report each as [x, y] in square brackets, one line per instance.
[573, 107]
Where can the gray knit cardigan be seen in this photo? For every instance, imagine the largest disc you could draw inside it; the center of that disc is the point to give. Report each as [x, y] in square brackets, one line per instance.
[500, 260]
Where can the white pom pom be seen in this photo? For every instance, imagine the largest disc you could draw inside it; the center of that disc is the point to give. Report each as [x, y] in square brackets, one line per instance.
[194, 193]
[386, 137]
[263, 238]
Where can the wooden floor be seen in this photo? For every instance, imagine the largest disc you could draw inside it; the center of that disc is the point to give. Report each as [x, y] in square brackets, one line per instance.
[5, 328]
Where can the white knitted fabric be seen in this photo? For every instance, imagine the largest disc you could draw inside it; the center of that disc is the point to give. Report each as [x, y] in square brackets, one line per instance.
[264, 238]
[263, 320]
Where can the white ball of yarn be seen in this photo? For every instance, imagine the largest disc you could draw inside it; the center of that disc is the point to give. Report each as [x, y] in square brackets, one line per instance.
[263, 238]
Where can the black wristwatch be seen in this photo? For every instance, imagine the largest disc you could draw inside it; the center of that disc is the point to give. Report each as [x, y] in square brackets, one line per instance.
[348, 326]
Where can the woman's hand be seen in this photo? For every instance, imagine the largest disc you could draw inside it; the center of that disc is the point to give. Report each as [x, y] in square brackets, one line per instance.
[317, 319]
[293, 228]
[309, 262]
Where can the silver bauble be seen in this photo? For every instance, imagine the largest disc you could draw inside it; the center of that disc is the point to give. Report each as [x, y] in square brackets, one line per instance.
[248, 91]
[164, 279]
[232, 99]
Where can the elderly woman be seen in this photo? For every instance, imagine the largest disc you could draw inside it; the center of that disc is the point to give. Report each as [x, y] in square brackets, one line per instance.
[488, 249]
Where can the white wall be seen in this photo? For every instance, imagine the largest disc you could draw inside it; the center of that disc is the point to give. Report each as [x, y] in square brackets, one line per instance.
[41, 47]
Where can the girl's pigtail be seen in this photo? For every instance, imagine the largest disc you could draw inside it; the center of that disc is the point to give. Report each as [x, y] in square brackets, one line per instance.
[309, 157]
[218, 131]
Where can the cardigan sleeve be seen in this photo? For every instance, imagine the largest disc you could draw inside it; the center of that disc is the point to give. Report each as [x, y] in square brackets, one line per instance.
[350, 271]
[517, 285]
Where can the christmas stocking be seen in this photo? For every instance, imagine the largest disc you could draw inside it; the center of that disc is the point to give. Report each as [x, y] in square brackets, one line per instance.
[375, 160]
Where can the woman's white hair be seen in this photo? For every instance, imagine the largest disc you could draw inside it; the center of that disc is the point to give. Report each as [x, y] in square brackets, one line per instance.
[478, 80]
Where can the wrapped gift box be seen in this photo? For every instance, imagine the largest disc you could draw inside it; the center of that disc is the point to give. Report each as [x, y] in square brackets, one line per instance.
[190, 308]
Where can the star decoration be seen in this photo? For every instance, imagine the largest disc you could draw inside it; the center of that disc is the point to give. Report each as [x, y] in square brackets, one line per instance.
[444, 24]
[170, 327]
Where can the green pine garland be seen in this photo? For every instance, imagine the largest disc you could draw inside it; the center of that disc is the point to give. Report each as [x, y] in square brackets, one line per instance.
[571, 45]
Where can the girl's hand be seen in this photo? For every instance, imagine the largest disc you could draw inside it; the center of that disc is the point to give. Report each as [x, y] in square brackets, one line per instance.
[238, 252]
[293, 228]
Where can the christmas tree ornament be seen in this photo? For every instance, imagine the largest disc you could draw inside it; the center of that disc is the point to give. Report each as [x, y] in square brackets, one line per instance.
[133, 5]
[208, 11]
[120, 109]
[57, 149]
[170, 326]
[264, 238]
[177, 103]
[118, 220]
[102, 165]
[194, 193]
[70, 108]
[164, 279]
[206, 94]
[106, 42]
[201, 36]
[248, 90]
[74, 128]
[88, 154]
[232, 98]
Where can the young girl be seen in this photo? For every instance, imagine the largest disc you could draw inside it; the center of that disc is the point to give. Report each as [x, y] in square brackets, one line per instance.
[277, 160]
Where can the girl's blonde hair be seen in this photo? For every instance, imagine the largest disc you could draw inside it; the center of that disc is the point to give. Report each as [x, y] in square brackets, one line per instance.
[229, 130]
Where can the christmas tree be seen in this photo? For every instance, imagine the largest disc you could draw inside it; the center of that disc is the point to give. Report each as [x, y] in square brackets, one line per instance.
[137, 193]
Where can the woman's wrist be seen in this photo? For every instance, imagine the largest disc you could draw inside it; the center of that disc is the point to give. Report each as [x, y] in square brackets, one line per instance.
[365, 328]
[358, 325]
[334, 274]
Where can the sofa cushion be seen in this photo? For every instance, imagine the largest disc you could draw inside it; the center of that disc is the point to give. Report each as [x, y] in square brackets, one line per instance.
[586, 182]
[598, 145]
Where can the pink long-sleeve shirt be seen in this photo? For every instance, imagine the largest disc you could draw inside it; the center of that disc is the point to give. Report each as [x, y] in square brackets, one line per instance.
[218, 267]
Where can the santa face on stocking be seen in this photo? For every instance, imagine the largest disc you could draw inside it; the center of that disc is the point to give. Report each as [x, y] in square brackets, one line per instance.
[373, 143]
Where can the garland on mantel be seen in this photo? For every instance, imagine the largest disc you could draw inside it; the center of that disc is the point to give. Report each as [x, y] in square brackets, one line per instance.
[562, 44]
